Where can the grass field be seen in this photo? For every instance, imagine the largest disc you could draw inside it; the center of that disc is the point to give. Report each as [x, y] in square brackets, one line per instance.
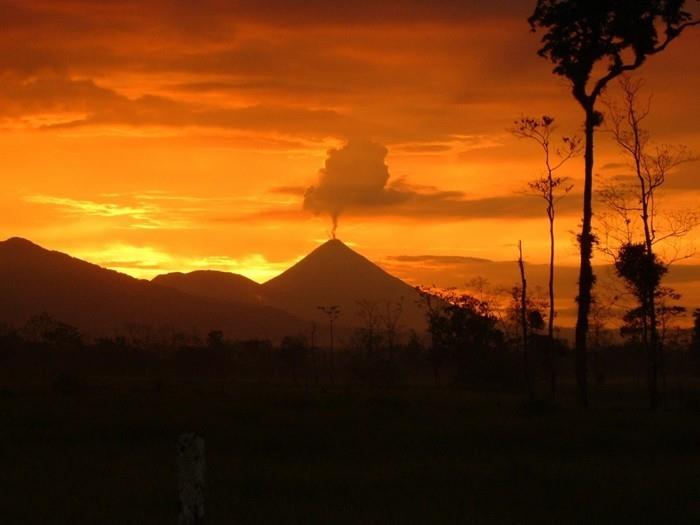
[284, 455]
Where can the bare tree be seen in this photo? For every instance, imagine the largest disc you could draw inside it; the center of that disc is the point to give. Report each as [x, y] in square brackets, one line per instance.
[332, 312]
[636, 206]
[552, 188]
[369, 312]
[390, 319]
[620, 36]
[312, 351]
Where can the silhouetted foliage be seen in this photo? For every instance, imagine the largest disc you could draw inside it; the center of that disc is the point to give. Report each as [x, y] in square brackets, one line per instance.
[42, 328]
[641, 270]
[215, 339]
[466, 347]
[619, 35]
[464, 331]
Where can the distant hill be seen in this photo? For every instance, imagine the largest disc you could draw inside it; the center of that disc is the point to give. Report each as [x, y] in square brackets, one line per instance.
[101, 301]
[224, 286]
[334, 274]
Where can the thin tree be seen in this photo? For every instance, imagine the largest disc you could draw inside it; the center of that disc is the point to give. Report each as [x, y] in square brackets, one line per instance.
[619, 35]
[390, 319]
[332, 312]
[637, 204]
[312, 350]
[368, 311]
[524, 324]
[552, 188]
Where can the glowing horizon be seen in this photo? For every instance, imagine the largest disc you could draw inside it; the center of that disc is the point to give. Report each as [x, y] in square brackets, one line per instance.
[173, 137]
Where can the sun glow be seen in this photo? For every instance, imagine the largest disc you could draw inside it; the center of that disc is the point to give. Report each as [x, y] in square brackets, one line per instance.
[190, 140]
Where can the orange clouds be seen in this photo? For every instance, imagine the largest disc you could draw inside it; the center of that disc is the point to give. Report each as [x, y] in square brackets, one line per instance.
[272, 69]
[184, 134]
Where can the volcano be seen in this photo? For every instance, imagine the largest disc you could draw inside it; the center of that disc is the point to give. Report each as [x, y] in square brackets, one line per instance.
[334, 274]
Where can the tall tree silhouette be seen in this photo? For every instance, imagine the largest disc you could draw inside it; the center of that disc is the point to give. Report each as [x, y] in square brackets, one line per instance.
[552, 188]
[637, 206]
[618, 35]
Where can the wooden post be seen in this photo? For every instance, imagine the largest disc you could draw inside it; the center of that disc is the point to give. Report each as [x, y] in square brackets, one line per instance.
[190, 473]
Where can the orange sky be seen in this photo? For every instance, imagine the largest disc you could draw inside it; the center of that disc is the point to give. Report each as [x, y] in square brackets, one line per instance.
[160, 136]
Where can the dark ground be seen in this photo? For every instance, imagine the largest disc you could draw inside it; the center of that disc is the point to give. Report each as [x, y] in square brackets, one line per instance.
[288, 455]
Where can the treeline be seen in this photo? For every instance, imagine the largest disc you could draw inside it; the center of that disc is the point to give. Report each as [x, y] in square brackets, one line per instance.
[469, 344]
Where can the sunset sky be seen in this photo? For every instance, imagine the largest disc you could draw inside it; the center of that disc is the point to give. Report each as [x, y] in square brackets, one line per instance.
[172, 135]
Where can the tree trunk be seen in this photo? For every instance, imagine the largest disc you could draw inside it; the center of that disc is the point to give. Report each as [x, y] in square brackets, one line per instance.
[550, 326]
[523, 323]
[653, 356]
[314, 355]
[653, 337]
[332, 355]
[586, 278]
[436, 369]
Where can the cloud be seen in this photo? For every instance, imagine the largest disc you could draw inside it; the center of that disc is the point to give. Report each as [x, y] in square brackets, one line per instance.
[254, 266]
[422, 62]
[256, 67]
[58, 101]
[456, 205]
[138, 261]
[288, 190]
[139, 215]
[356, 181]
[355, 176]
[215, 18]
[145, 261]
[89, 207]
[438, 259]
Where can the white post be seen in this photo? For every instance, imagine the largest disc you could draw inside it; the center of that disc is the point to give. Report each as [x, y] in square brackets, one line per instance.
[190, 473]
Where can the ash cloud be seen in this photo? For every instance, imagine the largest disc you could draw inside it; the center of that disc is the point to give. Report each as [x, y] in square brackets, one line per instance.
[355, 181]
[355, 176]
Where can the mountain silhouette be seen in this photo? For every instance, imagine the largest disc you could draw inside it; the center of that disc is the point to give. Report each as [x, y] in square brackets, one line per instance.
[334, 274]
[224, 286]
[101, 302]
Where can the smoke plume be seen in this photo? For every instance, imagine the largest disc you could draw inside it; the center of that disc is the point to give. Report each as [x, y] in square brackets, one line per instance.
[354, 176]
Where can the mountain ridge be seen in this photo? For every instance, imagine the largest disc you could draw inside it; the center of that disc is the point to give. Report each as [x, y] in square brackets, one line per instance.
[213, 284]
[100, 301]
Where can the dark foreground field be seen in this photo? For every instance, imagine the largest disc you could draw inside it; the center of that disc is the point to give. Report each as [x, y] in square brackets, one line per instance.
[107, 456]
